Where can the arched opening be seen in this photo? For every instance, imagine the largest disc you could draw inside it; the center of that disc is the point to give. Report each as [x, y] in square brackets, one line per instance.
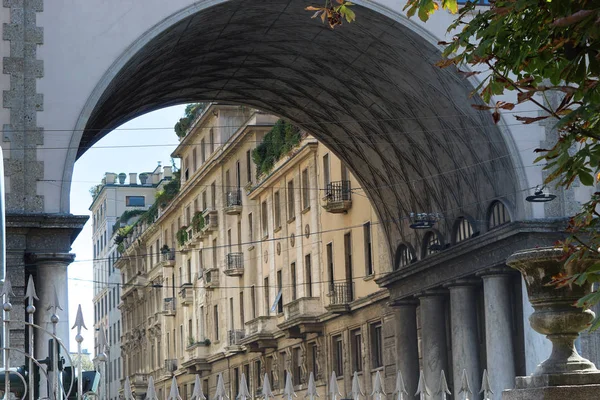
[463, 229]
[498, 215]
[404, 127]
[432, 243]
[405, 255]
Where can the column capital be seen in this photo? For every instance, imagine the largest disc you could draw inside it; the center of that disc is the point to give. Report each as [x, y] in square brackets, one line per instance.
[468, 282]
[500, 270]
[406, 302]
[50, 258]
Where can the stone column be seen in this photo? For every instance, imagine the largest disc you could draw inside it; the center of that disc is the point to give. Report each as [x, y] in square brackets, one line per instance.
[433, 338]
[51, 273]
[407, 350]
[498, 329]
[463, 322]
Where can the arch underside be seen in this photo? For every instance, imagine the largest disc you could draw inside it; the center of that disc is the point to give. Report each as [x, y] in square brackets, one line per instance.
[368, 90]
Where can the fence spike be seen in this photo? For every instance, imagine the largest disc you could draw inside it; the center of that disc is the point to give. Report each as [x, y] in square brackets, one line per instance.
[422, 389]
[127, 393]
[54, 304]
[356, 389]
[486, 388]
[197, 394]
[221, 392]
[151, 391]
[465, 388]
[311, 391]
[7, 290]
[266, 389]
[400, 390]
[443, 390]
[334, 389]
[288, 391]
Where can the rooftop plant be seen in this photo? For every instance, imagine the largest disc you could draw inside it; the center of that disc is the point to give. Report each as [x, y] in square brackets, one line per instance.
[282, 138]
[190, 114]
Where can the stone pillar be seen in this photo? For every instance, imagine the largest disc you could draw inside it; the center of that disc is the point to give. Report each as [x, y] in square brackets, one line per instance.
[433, 338]
[463, 321]
[407, 350]
[498, 330]
[51, 274]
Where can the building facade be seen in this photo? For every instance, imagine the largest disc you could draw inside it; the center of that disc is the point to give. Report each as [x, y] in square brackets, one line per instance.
[118, 200]
[258, 273]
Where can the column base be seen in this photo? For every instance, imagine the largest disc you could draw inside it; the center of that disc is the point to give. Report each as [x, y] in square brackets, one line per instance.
[551, 380]
[573, 392]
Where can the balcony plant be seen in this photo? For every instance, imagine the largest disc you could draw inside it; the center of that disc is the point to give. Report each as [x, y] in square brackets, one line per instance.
[198, 221]
[165, 249]
[182, 235]
[282, 138]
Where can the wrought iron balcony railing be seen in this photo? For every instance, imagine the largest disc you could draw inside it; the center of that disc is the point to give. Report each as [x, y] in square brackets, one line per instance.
[341, 293]
[338, 196]
[234, 337]
[169, 306]
[234, 264]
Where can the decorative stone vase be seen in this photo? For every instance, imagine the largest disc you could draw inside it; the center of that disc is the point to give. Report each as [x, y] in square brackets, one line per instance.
[555, 314]
[122, 177]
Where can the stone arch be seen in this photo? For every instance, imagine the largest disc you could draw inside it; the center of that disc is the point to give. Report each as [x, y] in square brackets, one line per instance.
[427, 242]
[405, 128]
[405, 255]
[459, 223]
[498, 214]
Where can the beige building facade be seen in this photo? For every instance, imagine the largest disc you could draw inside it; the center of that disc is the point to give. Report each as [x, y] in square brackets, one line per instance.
[256, 273]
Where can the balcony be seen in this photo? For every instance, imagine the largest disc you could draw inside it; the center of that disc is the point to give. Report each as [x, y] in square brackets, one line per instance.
[338, 197]
[234, 264]
[167, 259]
[340, 297]
[196, 358]
[138, 382]
[302, 317]
[211, 278]
[260, 334]
[169, 306]
[234, 202]
[234, 340]
[211, 220]
[187, 294]
[171, 365]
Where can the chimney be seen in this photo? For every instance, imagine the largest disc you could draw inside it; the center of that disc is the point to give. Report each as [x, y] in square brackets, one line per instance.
[167, 171]
[110, 178]
[132, 178]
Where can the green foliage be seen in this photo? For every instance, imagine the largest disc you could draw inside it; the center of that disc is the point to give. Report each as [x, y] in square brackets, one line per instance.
[182, 235]
[126, 216]
[95, 190]
[122, 233]
[334, 15]
[282, 138]
[198, 221]
[190, 114]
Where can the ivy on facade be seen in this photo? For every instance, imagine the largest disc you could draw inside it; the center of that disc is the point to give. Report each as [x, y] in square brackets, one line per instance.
[282, 138]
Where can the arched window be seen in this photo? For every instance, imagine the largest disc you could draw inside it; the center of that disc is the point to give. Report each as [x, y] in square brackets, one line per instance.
[404, 256]
[463, 230]
[431, 244]
[498, 215]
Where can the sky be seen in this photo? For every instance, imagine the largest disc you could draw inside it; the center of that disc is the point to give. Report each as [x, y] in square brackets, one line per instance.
[136, 146]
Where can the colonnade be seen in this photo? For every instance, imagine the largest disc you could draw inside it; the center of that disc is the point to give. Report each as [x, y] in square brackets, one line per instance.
[464, 340]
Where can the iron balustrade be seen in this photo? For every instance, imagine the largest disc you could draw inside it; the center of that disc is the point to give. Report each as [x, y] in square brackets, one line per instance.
[234, 337]
[235, 261]
[171, 364]
[234, 198]
[341, 293]
[168, 255]
[338, 191]
[169, 304]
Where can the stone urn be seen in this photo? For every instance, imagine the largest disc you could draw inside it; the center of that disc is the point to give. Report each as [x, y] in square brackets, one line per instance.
[556, 315]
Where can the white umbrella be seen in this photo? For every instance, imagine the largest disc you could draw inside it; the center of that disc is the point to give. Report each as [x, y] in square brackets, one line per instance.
[356, 390]
[197, 393]
[400, 391]
[334, 389]
[311, 390]
[288, 391]
[244, 393]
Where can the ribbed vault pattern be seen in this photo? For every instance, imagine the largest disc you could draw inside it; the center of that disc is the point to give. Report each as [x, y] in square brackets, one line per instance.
[368, 90]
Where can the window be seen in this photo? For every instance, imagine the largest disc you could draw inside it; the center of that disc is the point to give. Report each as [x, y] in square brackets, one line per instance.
[250, 229]
[368, 249]
[236, 382]
[191, 338]
[376, 345]
[214, 253]
[312, 352]
[189, 270]
[498, 215]
[282, 370]
[242, 316]
[277, 210]
[296, 365]
[186, 168]
[290, 198]
[269, 368]
[194, 161]
[308, 275]
[204, 202]
[257, 374]
[403, 256]
[267, 297]
[265, 219]
[337, 355]
[431, 244]
[293, 276]
[201, 334]
[211, 140]
[344, 172]
[248, 166]
[348, 262]
[202, 151]
[463, 230]
[216, 322]
[253, 301]
[135, 201]
[326, 173]
[231, 314]
[279, 292]
[305, 190]
[356, 350]
[213, 195]
[330, 266]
